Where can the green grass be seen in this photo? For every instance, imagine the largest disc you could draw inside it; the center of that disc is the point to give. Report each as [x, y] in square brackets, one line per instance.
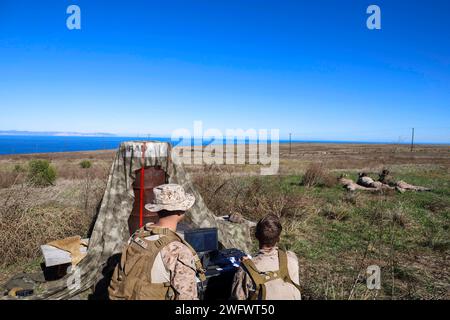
[337, 234]
[387, 229]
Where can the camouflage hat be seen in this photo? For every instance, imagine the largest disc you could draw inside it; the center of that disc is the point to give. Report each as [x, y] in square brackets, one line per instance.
[171, 197]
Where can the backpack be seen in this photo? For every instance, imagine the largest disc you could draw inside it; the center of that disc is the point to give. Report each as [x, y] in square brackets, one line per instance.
[271, 285]
[131, 278]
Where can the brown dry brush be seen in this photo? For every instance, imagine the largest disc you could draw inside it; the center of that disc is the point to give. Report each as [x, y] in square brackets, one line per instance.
[30, 217]
[317, 175]
[74, 171]
[9, 178]
[251, 197]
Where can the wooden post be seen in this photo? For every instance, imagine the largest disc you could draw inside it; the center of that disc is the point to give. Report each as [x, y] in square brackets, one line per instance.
[412, 140]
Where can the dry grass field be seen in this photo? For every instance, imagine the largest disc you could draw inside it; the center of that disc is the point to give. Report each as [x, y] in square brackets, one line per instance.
[335, 233]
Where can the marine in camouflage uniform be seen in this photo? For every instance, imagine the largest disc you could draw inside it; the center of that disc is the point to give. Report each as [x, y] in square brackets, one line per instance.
[179, 270]
[386, 178]
[267, 265]
[157, 263]
[176, 262]
[266, 260]
[366, 181]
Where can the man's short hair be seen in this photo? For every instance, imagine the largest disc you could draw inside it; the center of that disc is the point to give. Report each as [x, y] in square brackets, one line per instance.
[268, 230]
[166, 213]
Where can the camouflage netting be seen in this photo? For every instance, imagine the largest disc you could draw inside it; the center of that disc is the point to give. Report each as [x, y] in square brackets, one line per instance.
[111, 226]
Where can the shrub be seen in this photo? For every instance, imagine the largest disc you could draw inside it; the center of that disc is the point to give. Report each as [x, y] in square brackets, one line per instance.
[251, 197]
[41, 173]
[18, 168]
[317, 175]
[85, 164]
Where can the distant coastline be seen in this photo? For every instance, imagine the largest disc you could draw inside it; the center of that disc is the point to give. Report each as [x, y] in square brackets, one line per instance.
[54, 133]
[26, 144]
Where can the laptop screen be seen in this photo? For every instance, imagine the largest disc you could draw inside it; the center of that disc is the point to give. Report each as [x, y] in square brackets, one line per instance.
[203, 239]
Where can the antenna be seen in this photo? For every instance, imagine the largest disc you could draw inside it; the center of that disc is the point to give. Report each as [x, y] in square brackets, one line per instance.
[412, 140]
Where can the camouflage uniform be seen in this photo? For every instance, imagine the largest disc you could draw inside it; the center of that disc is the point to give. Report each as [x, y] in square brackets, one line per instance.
[366, 181]
[265, 260]
[386, 178]
[175, 264]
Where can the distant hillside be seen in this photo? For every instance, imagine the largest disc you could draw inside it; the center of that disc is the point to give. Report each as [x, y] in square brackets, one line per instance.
[54, 133]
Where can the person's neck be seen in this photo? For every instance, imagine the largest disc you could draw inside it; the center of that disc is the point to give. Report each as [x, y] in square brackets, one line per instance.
[266, 248]
[167, 223]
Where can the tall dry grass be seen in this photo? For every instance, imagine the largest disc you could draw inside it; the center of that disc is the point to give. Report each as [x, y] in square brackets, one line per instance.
[9, 178]
[31, 216]
[225, 193]
[317, 175]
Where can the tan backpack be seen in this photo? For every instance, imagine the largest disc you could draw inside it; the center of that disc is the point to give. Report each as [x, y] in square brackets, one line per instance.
[132, 280]
[271, 285]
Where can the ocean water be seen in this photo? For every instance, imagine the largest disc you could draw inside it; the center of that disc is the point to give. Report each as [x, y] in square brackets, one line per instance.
[20, 144]
[42, 144]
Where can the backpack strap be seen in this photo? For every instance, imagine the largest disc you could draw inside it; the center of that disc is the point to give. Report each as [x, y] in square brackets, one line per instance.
[141, 233]
[258, 279]
[284, 272]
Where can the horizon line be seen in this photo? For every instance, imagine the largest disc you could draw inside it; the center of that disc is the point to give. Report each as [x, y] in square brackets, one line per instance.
[204, 140]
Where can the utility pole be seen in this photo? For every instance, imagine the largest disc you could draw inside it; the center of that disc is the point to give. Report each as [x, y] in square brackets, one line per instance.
[412, 140]
[290, 143]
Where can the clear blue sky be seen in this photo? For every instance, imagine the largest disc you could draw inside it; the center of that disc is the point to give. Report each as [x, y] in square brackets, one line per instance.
[307, 67]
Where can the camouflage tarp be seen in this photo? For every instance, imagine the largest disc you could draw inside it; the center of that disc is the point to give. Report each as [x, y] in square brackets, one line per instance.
[111, 226]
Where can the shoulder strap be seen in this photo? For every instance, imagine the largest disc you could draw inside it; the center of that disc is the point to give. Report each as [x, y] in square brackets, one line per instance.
[284, 272]
[283, 264]
[258, 279]
[141, 233]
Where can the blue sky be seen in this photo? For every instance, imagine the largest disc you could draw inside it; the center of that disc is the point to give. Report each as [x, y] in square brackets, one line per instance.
[149, 67]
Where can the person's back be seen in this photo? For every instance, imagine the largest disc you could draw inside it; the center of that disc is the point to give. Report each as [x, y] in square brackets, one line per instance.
[273, 274]
[364, 180]
[277, 288]
[157, 263]
[174, 264]
[386, 178]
